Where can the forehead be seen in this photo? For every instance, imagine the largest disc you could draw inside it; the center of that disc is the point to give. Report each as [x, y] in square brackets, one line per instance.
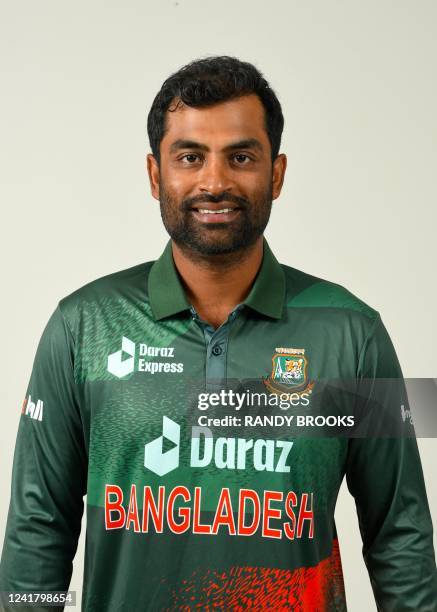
[236, 119]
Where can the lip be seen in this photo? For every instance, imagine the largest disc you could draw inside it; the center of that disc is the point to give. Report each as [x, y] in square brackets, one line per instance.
[212, 206]
[216, 217]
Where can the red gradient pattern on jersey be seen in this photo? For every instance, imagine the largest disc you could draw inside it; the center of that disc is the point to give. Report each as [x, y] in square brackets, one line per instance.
[306, 589]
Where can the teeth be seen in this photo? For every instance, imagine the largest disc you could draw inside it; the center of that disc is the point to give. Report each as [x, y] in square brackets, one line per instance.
[214, 212]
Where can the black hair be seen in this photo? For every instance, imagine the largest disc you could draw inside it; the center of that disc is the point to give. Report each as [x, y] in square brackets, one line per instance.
[206, 81]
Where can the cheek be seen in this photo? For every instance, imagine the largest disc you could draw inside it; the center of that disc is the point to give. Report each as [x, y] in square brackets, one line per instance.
[175, 184]
[260, 184]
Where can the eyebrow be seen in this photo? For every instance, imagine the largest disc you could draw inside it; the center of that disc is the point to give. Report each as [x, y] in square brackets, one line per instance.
[247, 143]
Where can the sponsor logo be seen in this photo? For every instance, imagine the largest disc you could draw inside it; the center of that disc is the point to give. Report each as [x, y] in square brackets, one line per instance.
[406, 415]
[223, 452]
[33, 409]
[155, 458]
[118, 363]
[122, 362]
[268, 513]
[179, 509]
[289, 372]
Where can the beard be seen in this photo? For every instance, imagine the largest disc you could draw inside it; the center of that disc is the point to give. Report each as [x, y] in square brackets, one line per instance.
[206, 239]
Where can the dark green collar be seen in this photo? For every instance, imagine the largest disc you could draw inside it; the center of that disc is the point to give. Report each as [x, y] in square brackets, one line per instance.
[167, 296]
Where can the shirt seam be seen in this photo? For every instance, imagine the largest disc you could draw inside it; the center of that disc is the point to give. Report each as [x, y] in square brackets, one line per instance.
[375, 322]
[70, 332]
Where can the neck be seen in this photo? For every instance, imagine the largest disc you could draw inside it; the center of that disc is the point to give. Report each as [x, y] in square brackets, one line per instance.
[215, 284]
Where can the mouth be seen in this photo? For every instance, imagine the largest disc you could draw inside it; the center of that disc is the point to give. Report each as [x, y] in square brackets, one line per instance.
[215, 213]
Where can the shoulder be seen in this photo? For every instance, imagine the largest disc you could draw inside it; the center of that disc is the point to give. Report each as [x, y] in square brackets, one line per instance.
[121, 287]
[306, 291]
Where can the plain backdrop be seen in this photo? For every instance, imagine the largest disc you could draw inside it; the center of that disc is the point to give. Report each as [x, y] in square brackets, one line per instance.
[357, 84]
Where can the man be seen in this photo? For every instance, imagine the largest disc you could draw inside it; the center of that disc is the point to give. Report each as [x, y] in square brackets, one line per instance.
[180, 516]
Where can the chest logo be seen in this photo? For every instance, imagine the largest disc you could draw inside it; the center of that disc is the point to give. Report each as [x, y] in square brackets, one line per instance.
[142, 358]
[289, 371]
[122, 362]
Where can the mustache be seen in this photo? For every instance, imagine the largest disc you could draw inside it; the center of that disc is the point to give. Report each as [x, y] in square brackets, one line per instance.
[225, 196]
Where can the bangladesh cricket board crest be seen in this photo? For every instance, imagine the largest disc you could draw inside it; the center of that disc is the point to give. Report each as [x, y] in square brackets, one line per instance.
[289, 372]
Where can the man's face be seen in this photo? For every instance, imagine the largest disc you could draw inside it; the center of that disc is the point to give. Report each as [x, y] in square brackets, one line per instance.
[216, 180]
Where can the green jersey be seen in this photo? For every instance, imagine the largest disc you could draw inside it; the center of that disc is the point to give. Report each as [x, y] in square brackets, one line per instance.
[124, 406]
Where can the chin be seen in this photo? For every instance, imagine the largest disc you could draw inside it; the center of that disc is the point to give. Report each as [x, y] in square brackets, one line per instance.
[220, 247]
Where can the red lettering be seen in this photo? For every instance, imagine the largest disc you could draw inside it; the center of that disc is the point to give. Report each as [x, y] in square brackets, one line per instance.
[226, 518]
[290, 501]
[156, 512]
[197, 527]
[305, 514]
[185, 513]
[245, 495]
[114, 506]
[267, 531]
[132, 515]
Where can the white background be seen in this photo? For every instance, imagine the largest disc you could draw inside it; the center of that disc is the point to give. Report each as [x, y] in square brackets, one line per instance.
[357, 84]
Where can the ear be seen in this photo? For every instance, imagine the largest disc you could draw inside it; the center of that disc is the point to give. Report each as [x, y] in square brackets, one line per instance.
[153, 172]
[278, 174]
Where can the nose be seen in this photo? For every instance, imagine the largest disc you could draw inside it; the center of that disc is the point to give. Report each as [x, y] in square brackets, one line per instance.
[214, 176]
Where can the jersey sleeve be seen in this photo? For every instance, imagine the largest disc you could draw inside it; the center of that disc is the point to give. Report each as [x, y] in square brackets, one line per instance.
[384, 474]
[49, 472]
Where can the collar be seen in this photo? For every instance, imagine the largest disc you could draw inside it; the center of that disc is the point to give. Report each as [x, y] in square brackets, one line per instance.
[167, 296]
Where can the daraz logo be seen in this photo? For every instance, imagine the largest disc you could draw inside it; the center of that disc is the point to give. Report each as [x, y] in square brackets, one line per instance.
[155, 458]
[227, 453]
[121, 363]
[118, 364]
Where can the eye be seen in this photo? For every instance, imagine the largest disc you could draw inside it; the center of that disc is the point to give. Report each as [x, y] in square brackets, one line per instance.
[241, 158]
[189, 158]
